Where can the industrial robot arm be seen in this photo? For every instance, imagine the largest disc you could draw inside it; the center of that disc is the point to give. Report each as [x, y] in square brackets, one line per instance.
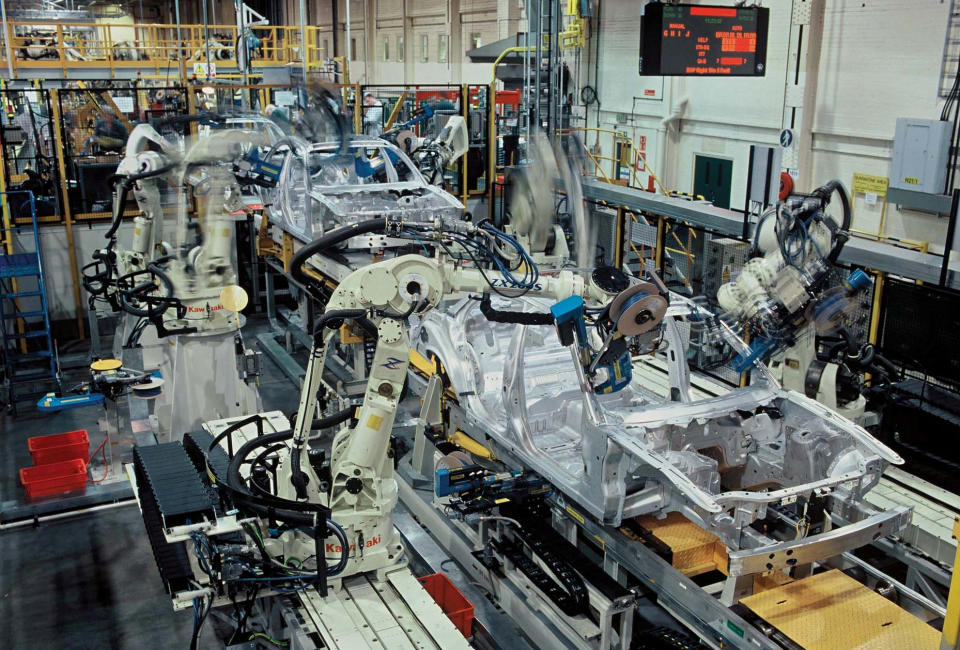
[147, 158]
[361, 492]
[783, 299]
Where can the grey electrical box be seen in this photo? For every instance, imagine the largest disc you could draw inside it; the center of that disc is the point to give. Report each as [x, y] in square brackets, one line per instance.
[920, 152]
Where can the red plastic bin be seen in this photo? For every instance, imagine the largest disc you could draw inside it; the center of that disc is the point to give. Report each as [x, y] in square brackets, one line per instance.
[457, 608]
[59, 447]
[54, 478]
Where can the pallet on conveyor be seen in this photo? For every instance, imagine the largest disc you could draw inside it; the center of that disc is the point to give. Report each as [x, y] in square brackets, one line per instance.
[832, 610]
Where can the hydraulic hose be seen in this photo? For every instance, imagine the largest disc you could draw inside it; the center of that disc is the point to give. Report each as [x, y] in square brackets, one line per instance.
[150, 311]
[837, 186]
[118, 213]
[297, 476]
[517, 317]
[841, 237]
[332, 420]
[271, 510]
[329, 240]
[333, 319]
[288, 141]
[127, 181]
[273, 507]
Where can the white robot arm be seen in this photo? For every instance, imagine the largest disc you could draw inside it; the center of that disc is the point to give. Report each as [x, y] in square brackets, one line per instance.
[379, 298]
[139, 160]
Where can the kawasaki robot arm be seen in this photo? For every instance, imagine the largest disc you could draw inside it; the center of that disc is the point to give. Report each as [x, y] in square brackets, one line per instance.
[379, 298]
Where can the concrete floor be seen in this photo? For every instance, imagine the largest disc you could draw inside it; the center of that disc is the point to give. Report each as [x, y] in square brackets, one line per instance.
[91, 581]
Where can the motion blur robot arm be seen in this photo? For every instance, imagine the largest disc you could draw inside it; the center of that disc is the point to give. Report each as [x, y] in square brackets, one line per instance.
[148, 157]
[783, 300]
[431, 155]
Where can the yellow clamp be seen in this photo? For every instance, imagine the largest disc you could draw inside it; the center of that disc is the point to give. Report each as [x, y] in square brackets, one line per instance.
[465, 442]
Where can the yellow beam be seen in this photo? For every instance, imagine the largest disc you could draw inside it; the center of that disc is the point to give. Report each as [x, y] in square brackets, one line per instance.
[357, 110]
[875, 314]
[396, 110]
[951, 622]
[465, 442]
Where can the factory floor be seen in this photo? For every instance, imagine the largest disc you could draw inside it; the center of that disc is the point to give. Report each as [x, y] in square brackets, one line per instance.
[91, 581]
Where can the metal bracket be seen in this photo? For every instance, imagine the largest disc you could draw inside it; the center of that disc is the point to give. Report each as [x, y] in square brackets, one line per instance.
[817, 547]
[430, 416]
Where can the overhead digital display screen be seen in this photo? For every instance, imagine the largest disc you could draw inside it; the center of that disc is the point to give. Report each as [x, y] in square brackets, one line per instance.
[703, 40]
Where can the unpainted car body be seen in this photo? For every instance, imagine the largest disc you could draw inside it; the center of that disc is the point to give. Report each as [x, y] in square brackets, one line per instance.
[659, 445]
[326, 185]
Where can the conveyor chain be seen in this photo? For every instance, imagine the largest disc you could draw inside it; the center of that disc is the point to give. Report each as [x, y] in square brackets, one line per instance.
[570, 596]
[149, 463]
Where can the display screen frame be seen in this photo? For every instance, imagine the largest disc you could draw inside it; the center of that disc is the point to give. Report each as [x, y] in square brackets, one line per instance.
[651, 41]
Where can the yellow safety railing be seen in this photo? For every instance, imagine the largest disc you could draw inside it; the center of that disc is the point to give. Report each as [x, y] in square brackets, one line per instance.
[626, 144]
[595, 157]
[152, 46]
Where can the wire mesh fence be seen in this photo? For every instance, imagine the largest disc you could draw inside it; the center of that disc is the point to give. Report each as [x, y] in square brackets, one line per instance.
[29, 150]
[96, 125]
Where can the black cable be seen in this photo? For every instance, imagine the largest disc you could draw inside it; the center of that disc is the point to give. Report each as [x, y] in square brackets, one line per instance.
[273, 508]
[955, 151]
[517, 317]
[333, 319]
[331, 420]
[117, 215]
[952, 95]
[298, 477]
[326, 241]
[198, 624]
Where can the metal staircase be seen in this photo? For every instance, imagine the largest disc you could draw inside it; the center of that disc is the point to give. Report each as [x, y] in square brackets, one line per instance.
[29, 360]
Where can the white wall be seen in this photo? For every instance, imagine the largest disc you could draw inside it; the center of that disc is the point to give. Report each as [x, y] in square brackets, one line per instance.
[56, 260]
[879, 60]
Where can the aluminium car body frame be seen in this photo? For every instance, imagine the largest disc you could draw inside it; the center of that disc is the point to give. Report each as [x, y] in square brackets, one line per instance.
[621, 464]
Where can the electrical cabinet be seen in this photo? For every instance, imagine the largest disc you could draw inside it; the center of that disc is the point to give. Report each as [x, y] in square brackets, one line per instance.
[920, 152]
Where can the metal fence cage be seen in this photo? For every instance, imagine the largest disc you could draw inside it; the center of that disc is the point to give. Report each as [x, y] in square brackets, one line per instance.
[88, 160]
[27, 139]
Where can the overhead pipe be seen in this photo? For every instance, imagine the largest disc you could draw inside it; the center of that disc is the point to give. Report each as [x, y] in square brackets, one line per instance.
[6, 39]
[349, 42]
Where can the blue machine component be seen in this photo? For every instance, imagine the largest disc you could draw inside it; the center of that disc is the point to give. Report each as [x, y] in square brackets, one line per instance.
[471, 477]
[425, 112]
[366, 167]
[569, 316]
[619, 374]
[857, 281]
[760, 349]
[50, 403]
[261, 167]
[616, 367]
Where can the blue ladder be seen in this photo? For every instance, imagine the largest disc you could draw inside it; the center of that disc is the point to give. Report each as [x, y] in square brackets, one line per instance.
[29, 357]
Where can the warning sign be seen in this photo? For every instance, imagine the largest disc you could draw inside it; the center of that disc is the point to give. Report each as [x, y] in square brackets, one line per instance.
[200, 70]
[867, 184]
